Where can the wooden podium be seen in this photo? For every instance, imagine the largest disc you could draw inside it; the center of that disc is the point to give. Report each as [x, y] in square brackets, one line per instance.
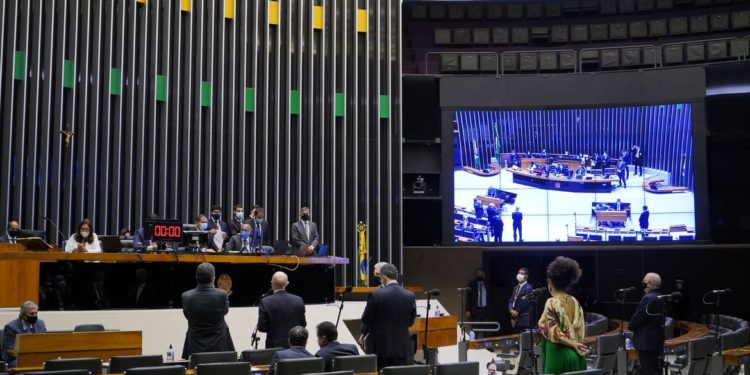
[441, 331]
[33, 349]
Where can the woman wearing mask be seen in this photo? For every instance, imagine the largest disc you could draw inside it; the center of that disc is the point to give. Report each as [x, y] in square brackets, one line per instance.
[561, 323]
[84, 240]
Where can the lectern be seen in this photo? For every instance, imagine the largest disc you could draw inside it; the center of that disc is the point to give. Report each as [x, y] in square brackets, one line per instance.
[33, 349]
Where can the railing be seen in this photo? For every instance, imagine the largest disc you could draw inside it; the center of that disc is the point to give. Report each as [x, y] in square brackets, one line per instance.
[741, 51]
[459, 53]
[642, 47]
[538, 53]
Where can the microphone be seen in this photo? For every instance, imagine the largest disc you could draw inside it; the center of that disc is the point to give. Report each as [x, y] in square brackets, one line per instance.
[534, 293]
[433, 293]
[671, 296]
[59, 232]
[464, 289]
[720, 291]
[626, 290]
[264, 295]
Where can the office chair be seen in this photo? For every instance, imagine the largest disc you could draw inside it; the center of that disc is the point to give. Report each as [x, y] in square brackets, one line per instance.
[62, 372]
[259, 357]
[161, 370]
[211, 357]
[92, 365]
[298, 366]
[230, 368]
[88, 328]
[605, 358]
[406, 370]
[461, 368]
[356, 363]
[118, 364]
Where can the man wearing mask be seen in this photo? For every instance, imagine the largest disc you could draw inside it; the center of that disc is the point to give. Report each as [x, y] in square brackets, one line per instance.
[234, 225]
[59, 297]
[140, 242]
[479, 299]
[518, 307]
[280, 312]
[304, 238]
[241, 241]
[261, 235]
[27, 322]
[376, 274]
[217, 227]
[11, 233]
[646, 325]
[201, 224]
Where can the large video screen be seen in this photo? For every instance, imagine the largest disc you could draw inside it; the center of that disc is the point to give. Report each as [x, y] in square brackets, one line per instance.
[574, 174]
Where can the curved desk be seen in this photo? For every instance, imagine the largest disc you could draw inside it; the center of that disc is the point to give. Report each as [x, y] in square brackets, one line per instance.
[588, 184]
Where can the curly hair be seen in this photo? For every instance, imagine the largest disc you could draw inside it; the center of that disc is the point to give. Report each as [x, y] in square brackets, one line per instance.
[563, 272]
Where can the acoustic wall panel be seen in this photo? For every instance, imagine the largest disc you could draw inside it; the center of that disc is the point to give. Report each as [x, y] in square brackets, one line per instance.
[174, 105]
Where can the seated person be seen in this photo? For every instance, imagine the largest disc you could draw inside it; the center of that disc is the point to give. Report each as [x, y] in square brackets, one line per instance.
[140, 242]
[201, 225]
[653, 186]
[329, 347]
[297, 342]
[580, 171]
[27, 322]
[241, 241]
[84, 240]
[11, 233]
[513, 159]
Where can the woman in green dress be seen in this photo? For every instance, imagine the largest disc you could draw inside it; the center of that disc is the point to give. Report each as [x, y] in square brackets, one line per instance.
[561, 323]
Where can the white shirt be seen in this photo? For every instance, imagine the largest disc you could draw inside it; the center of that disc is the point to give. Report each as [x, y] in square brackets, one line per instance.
[94, 247]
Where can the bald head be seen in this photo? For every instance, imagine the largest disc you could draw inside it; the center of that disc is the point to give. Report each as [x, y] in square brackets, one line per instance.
[279, 281]
[652, 281]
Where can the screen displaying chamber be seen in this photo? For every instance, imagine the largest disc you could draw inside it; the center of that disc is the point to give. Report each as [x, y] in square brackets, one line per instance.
[576, 174]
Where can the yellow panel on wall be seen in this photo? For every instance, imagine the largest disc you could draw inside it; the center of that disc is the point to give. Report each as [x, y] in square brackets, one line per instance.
[186, 5]
[318, 17]
[273, 12]
[229, 9]
[141, 1]
[362, 20]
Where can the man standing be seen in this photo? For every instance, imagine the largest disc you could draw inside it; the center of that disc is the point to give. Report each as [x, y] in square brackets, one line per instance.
[279, 312]
[517, 224]
[478, 300]
[646, 325]
[234, 226]
[304, 237]
[478, 209]
[27, 322]
[643, 220]
[518, 307]
[296, 344]
[205, 308]
[329, 347]
[621, 168]
[389, 313]
[217, 227]
[496, 222]
[11, 233]
[637, 156]
[261, 235]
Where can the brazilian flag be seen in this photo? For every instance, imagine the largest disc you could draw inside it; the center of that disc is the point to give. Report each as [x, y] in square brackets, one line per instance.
[362, 253]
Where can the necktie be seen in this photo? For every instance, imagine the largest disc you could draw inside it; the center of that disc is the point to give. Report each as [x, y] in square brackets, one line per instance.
[482, 295]
[246, 247]
[31, 328]
[515, 294]
[307, 231]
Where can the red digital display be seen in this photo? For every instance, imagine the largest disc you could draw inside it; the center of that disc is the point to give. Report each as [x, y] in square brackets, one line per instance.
[168, 231]
[163, 230]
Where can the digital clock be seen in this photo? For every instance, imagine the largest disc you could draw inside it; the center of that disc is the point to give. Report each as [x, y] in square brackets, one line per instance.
[163, 230]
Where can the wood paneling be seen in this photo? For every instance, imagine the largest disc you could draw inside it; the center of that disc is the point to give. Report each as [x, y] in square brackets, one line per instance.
[34, 349]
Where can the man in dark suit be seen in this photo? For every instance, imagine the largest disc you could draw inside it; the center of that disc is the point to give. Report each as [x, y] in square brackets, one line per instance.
[478, 300]
[234, 226]
[646, 325]
[241, 241]
[205, 308]
[304, 236]
[621, 168]
[218, 228]
[27, 322]
[389, 313]
[497, 227]
[643, 219]
[296, 348]
[279, 312]
[142, 294]
[518, 307]
[96, 294]
[11, 233]
[478, 209]
[637, 154]
[261, 234]
[517, 217]
[329, 347]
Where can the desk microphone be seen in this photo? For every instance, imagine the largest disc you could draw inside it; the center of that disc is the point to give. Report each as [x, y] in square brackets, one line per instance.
[626, 290]
[671, 296]
[433, 293]
[720, 291]
[464, 289]
[51, 222]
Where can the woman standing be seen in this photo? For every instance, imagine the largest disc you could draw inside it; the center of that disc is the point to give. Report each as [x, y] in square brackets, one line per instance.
[561, 323]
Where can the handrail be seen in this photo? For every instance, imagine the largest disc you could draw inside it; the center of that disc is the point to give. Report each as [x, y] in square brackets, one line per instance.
[702, 41]
[538, 51]
[657, 61]
[440, 53]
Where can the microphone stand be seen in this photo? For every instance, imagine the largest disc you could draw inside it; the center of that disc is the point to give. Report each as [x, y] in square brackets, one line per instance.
[52, 223]
[463, 315]
[341, 307]
[254, 338]
[425, 350]
[533, 299]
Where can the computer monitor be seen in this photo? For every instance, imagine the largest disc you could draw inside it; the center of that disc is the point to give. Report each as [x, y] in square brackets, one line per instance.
[323, 250]
[610, 172]
[596, 172]
[195, 239]
[110, 244]
[28, 233]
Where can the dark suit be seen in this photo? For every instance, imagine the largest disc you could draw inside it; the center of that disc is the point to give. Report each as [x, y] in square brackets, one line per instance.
[648, 335]
[264, 233]
[643, 219]
[300, 238]
[7, 239]
[479, 314]
[59, 300]
[497, 227]
[637, 154]
[621, 167]
[335, 349]
[478, 210]
[389, 313]
[277, 314]
[140, 241]
[96, 297]
[291, 353]
[143, 300]
[522, 306]
[517, 225]
[236, 243]
[235, 227]
[205, 307]
[10, 331]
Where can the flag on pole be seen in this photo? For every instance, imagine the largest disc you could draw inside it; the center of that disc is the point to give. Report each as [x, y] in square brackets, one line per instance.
[362, 252]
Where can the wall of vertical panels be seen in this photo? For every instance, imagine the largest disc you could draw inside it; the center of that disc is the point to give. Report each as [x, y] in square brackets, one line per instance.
[178, 104]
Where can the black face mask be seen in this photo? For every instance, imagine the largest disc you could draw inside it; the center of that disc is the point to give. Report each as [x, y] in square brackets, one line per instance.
[31, 319]
[480, 278]
[216, 216]
[13, 232]
[305, 217]
[643, 285]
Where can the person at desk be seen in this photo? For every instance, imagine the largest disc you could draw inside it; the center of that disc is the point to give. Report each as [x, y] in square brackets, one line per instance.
[544, 154]
[329, 347]
[11, 232]
[621, 168]
[646, 325]
[279, 312]
[619, 206]
[234, 226]
[297, 341]
[261, 234]
[84, 240]
[218, 228]
[580, 172]
[478, 208]
[643, 220]
[204, 308]
[241, 241]
[513, 159]
[28, 322]
[305, 237]
[140, 242]
[201, 225]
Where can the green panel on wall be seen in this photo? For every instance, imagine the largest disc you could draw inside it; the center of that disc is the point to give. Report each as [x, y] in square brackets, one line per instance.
[69, 74]
[115, 81]
[249, 99]
[161, 88]
[340, 105]
[205, 94]
[294, 102]
[19, 66]
[385, 106]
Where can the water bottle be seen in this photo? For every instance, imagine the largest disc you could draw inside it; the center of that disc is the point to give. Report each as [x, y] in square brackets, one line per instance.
[472, 335]
[492, 367]
[437, 311]
[628, 343]
[170, 354]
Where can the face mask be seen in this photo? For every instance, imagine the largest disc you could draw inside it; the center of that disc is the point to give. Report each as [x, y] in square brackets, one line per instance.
[203, 226]
[520, 278]
[216, 216]
[239, 215]
[377, 280]
[31, 319]
[243, 235]
[85, 234]
[480, 278]
[644, 285]
[13, 232]
[305, 217]
[259, 219]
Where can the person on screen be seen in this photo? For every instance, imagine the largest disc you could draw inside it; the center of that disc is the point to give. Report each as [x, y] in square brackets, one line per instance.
[201, 224]
[580, 171]
[643, 219]
[621, 168]
[477, 160]
[28, 322]
[625, 156]
[618, 205]
[513, 159]
[478, 208]
[84, 240]
[496, 222]
[11, 233]
[491, 212]
[605, 159]
[637, 155]
[217, 227]
[544, 154]
[517, 217]
[140, 242]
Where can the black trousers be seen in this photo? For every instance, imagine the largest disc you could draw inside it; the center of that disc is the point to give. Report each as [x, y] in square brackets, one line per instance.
[480, 314]
[649, 362]
[517, 227]
[638, 165]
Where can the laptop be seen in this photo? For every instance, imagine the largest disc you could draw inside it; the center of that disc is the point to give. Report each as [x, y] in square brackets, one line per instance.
[280, 247]
[111, 244]
[323, 251]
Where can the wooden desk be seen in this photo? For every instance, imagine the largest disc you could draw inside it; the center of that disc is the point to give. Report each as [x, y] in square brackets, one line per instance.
[613, 216]
[737, 357]
[441, 331]
[33, 349]
[487, 200]
[363, 290]
[493, 170]
[661, 189]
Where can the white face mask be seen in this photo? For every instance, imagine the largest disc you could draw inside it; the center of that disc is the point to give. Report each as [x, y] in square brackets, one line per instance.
[85, 234]
[520, 278]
